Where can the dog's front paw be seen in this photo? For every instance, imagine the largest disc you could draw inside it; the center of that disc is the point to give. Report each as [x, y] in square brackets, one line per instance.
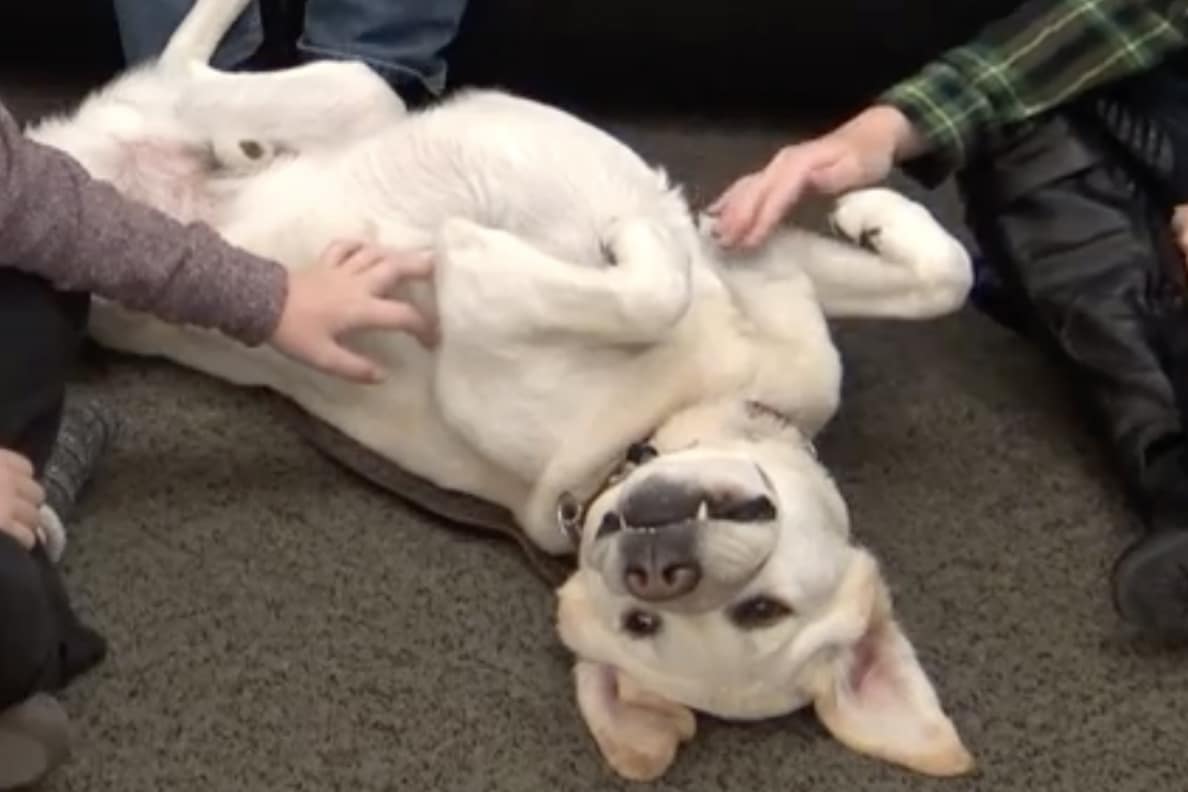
[893, 226]
[904, 233]
[863, 217]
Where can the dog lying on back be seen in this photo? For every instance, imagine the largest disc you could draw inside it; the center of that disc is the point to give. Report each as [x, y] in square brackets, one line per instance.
[633, 394]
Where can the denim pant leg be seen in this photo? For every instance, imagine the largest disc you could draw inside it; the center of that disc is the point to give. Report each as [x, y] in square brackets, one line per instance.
[146, 25]
[401, 39]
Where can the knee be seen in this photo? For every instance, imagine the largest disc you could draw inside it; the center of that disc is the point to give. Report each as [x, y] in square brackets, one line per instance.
[41, 330]
[50, 324]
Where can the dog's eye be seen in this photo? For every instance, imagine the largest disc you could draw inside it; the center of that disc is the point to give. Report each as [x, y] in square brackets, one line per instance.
[640, 624]
[757, 509]
[758, 612]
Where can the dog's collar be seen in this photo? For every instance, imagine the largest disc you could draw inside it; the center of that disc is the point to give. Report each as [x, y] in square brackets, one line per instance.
[572, 511]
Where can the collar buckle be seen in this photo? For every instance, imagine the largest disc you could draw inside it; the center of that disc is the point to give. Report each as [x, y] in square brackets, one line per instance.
[570, 515]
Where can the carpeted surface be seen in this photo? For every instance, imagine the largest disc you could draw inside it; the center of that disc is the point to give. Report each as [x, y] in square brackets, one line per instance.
[276, 624]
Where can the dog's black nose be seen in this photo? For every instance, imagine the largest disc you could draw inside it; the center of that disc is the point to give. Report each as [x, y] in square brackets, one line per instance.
[658, 585]
[656, 503]
[660, 564]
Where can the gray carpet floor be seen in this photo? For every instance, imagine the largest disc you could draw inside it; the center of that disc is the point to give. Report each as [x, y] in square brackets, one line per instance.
[276, 624]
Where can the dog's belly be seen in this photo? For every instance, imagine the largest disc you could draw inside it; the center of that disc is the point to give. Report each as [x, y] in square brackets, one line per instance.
[400, 189]
[401, 420]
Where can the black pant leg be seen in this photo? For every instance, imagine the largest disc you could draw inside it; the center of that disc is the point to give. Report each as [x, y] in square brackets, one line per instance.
[43, 646]
[42, 643]
[1084, 246]
[41, 331]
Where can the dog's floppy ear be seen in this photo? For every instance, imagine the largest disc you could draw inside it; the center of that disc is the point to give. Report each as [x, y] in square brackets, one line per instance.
[875, 697]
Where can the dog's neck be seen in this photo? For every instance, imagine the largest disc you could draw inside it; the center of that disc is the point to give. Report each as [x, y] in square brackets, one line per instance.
[729, 421]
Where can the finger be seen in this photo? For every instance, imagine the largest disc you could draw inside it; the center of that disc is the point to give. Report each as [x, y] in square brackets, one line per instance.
[396, 267]
[733, 209]
[736, 219]
[25, 536]
[393, 315]
[338, 360]
[716, 206]
[785, 190]
[1179, 221]
[339, 252]
[25, 513]
[28, 490]
[418, 265]
[728, 195]
[363, 259]
[15, 463]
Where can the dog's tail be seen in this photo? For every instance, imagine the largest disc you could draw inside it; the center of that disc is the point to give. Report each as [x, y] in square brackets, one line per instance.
[199, 34]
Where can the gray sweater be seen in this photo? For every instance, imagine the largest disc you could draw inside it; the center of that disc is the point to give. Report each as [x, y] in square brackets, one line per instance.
[81, 235]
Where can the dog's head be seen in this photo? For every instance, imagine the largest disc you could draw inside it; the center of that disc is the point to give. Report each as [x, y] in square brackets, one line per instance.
[719, 575]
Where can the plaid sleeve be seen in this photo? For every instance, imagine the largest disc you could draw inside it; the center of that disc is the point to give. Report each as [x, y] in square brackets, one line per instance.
[1038, 57]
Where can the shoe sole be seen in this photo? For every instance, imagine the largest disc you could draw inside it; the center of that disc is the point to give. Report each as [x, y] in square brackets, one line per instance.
[34, 739]
[1150, 583]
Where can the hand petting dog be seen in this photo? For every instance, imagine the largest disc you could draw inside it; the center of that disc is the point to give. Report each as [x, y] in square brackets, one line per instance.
[344, 292]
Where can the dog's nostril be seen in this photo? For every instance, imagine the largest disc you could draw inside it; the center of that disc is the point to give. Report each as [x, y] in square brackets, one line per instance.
[636, 578]
[757, 509]
[682, 578]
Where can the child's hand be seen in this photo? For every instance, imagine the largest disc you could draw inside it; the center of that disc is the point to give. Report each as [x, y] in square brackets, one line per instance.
[20, 499]
[343, 293]
[1180, 227]
[857, 154]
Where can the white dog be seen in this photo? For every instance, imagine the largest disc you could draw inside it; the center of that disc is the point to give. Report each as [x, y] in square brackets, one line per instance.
[630, 392]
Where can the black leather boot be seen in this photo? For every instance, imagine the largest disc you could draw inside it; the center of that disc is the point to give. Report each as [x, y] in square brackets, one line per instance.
[1083, 245]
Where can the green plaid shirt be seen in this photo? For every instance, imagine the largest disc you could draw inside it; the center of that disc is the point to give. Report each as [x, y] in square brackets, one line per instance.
[1038, 57]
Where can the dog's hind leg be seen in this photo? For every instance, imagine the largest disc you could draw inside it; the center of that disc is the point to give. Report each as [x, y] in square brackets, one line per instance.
[497, 285]
[199, 34]
[251, 116]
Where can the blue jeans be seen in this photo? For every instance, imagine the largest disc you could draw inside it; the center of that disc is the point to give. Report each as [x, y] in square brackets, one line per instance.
[403, 40]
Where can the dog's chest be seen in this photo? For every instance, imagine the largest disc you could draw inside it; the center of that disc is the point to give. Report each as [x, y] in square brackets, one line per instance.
[531, 402]
[536, 402]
